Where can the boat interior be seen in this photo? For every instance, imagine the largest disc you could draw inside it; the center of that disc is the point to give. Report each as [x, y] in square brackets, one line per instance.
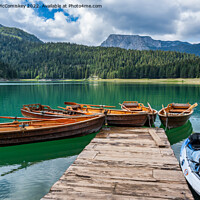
[44, 109]
[176, 108]
[135, 106]
[195, 141]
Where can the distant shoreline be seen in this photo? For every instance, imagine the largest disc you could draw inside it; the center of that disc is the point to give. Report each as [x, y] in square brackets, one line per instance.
[195, 81]
[155, 81]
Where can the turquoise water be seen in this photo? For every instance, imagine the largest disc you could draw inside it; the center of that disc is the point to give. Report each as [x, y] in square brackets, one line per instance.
[30, 170]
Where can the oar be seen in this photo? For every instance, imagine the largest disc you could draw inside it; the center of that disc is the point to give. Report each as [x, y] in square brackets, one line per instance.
[22, 118]
[25, 125]
[73, 103]
[132, 111]
[35, 124]
[150, 107]
[123, 106]
[190, 108]
[35, 119]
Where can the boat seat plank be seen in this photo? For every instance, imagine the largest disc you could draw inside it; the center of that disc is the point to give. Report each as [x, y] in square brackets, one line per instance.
[178, 111]
[135, 109]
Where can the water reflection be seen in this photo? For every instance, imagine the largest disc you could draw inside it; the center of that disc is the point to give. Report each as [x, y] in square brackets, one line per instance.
[178, 134]
[26, 154]
[30, 170]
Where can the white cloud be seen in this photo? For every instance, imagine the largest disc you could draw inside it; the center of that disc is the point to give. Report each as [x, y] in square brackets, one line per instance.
[164, 19]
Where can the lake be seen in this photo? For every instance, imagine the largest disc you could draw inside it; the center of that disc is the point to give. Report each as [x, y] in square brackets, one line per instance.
[30, 170]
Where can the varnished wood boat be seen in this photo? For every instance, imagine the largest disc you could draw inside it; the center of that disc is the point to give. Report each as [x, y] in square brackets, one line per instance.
[138, 107]
[16, 133]
[46, 112]
[113, 116]
[175, 114]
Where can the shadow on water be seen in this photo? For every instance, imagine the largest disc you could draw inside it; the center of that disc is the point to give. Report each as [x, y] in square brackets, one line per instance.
[178, 134]
[30, 154]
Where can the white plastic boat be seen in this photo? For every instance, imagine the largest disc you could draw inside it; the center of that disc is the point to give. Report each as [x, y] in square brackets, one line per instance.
[190, 161]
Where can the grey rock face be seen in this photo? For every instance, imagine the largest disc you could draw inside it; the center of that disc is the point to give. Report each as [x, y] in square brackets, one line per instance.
[142, 43]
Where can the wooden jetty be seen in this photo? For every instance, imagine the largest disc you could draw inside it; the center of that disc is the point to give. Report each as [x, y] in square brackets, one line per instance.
[124, 163]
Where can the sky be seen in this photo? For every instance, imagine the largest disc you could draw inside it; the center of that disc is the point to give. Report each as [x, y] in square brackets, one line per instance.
[160, 19]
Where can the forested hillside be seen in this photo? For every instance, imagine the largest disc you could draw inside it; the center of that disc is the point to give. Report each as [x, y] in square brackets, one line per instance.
[17, 33]
[64, 60]
[6, 72]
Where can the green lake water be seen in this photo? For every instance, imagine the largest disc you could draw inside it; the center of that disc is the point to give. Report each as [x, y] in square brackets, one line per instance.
[28, 171]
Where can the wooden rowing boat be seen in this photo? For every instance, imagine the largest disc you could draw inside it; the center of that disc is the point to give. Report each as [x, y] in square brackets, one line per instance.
[138, 107]
[113, 116]
[16, 132]
[175, 114]
[46, 112]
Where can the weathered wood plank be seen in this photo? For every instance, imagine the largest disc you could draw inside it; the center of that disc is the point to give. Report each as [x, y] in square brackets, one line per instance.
[124, 163]
[125, 141]
[160, 190]
[132, 149]
[168, 175]
[85, 162]
[157, 139]
[134, 173]
[85, 196]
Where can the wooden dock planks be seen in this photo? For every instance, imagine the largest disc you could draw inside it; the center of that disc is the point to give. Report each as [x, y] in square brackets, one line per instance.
[124, 163]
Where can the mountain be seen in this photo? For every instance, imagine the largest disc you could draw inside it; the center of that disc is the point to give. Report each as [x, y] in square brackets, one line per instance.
[17, 33]
[137, 42]
[23, 56]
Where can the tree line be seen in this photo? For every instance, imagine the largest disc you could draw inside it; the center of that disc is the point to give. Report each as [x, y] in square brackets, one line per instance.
[25, 59]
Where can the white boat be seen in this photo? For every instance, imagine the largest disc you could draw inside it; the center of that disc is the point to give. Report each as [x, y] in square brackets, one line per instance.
[190, 161]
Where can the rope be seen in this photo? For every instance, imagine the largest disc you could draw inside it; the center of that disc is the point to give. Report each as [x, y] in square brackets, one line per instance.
[106, 120]
[153, 119]
[149, 118]
[166, 123]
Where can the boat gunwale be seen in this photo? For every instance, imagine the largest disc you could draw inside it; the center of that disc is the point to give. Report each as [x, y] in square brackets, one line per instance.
[44, 128]
[125, 114]
[60, 116]
[122, 112]
[175, 115]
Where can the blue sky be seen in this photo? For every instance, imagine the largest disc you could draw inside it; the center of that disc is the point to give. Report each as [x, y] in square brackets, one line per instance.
[163, 19]
[43, 11]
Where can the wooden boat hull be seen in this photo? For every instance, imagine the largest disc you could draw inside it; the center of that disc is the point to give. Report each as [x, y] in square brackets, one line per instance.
[138, 107]
[43, 115]
[116, 117]
[175, 114]
[46, 112]
[174, 121]
[51, 133]
[126, 120]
